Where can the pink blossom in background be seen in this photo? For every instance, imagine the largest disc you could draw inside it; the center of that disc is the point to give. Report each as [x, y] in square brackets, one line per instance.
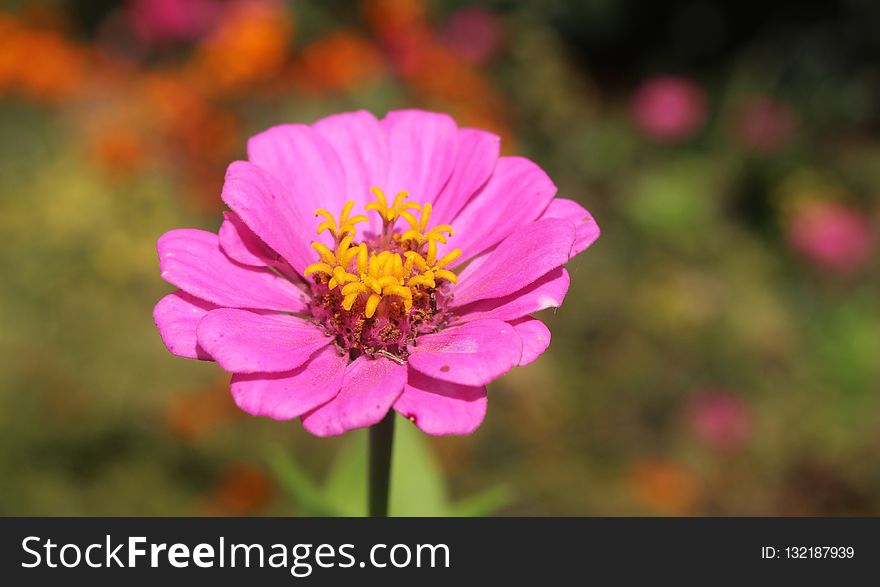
[834, 236]
[334, 291]
[164, 21]
[720, 419]
[474, 34]
[669, 108]
[765, 125]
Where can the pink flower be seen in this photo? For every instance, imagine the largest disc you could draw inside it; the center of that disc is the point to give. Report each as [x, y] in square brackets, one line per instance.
[832, 235]
[162, 21]
[720, 419]
[474, 34]
[765, 125]
[381, 311]
[669, 108]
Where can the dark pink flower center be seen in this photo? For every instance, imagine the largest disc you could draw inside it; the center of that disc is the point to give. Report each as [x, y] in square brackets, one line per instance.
[375, 295]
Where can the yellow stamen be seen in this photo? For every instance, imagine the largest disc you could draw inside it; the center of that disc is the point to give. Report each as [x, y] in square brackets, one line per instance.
[354, 288]
[417, 259]
[327, 255]
[387, 281]
[340, 277]
[318, 268]
[448, 275]
[426, 280]
[362, 259]
[411, 235]
[426, 216]
[411, 220]
[431, 257]
[345, 226]
[390, 213]
[349, 300]
[449, 258]
[407, 267]
[400, 291]
[372, 304]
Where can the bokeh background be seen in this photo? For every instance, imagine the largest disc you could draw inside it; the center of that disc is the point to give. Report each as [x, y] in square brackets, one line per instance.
[719, 350]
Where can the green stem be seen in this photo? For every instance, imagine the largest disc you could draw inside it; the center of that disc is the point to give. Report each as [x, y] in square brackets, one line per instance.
[381, 441]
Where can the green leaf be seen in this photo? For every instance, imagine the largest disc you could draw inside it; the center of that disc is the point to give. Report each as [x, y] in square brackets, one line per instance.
[346, 485]
[297, 483]
[485, 503]
[417, 486]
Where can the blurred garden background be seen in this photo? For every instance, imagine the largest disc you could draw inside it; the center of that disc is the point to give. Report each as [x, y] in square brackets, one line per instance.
[719, 349]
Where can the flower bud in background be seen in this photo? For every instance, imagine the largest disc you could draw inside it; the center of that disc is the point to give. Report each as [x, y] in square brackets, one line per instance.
[765, 125]
[156, 22]
[832, 235]
[720, 419]
[669, 108]
[474, 34]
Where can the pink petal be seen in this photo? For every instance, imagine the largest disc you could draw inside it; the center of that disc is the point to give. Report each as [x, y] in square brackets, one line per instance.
[247, 342]
[422, 147]
[177, 317]
[473, 266]
[304, 161]
[473, 353]
[587, 231]
[516, 194]
[474, 163]
[282, 396]
[267, 207]
[240, 243]
[369, 389]
[359, 141]
[547, 292]
[531, 252]
[440, 407]
[192, 260]
[535, 338]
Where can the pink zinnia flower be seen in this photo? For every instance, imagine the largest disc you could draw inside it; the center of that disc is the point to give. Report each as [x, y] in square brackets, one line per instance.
[474, 34]
[162, 21]
[765, 125]
[832, 235]
[374, 305]
[669, 108]
[720, 419]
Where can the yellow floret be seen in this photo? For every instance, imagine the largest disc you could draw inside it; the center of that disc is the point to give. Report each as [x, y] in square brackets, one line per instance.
[359, 273]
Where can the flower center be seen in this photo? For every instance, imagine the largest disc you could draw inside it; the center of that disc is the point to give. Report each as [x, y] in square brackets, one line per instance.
[377, 292]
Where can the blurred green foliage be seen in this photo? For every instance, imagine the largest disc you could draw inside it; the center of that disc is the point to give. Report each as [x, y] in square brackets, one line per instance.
[417, 484]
